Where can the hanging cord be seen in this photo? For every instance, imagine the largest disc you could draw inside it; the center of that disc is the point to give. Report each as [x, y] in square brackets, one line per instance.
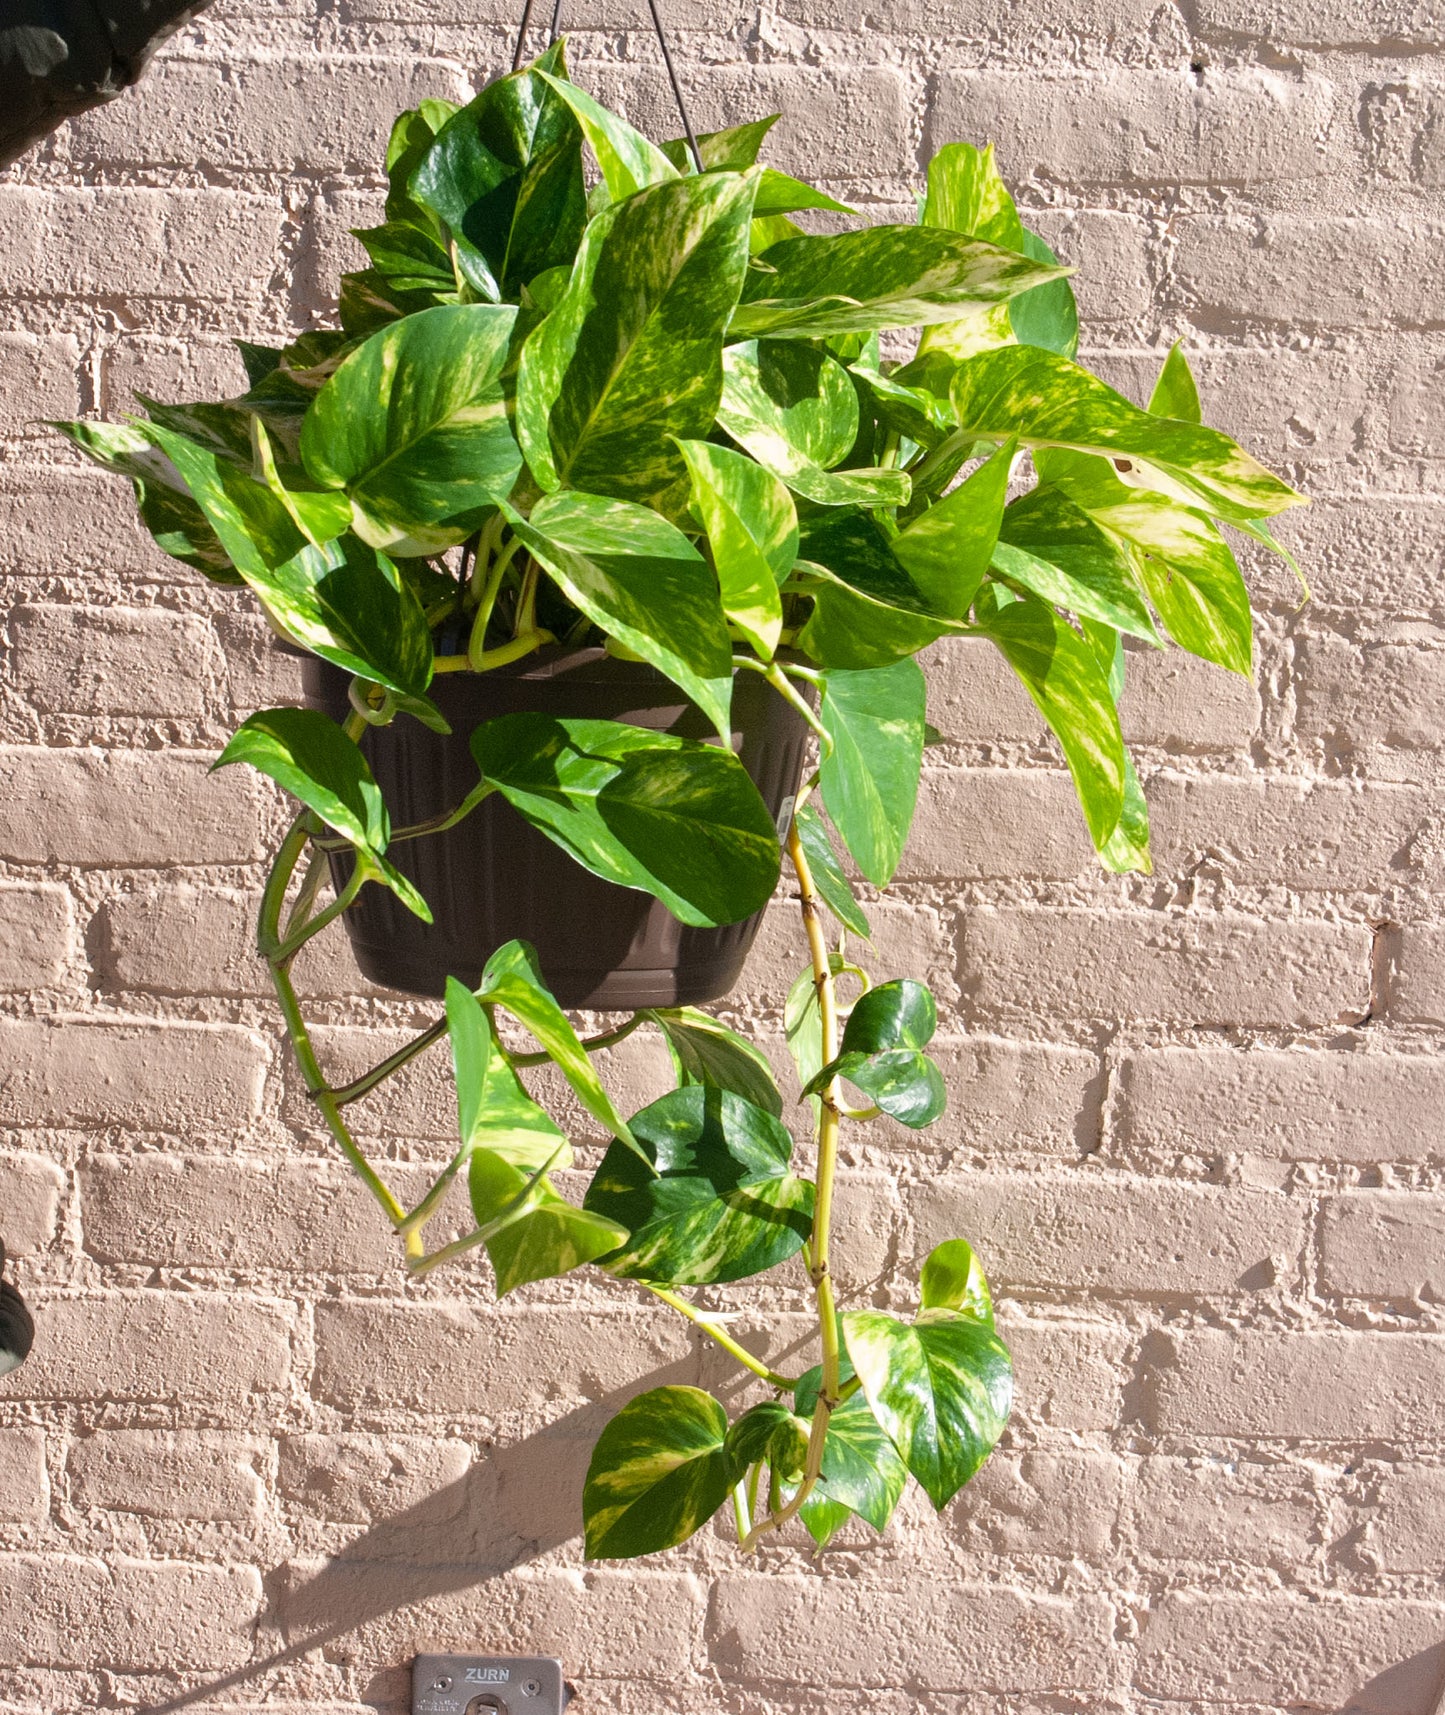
[661, 42]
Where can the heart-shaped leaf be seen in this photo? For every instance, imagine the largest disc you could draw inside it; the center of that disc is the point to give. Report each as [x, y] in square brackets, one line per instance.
[770, 1433]
[310, 756]
[861, 1467]
[705, 1051]
[413, 425]
[678, 819]
[550, 1238]
[1056, 550]
[946, 550]
[629, 162]
[940, 1387]
[658, 1473]
[752, 528]
[881, 1053]
[953, 1279]
[712, 1199]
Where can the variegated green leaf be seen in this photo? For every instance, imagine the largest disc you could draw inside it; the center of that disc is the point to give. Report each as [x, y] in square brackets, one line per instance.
[310, 756]
[1048, 316]
[513, 980]
[658, 1473]
[941, 1387]
[967, 195]
[946, 550]
[493, 1110]
[505, 174]
[870, 775]
[628, 161]
[1185, 565]
[795, 410]
[631, 357]
[705, 1051]
[879, 277]
[413, 425]
[953, 1279]
[733, 150]
[1068, 686]
[549, 1238]
[1175, 393]
[166, 506]
[771, 1434]
[1127, 849]
[861, 1467]
[678, 819]
[867, 611]
[1055, 549]
[1045, 400]
[713, 1197]
[752, 528]
[833, 886]
[643, 582]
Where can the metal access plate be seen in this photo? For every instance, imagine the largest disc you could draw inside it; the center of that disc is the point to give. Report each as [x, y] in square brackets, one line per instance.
[487, 1685]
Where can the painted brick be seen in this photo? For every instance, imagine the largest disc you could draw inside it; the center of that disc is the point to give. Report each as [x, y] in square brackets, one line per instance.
[1039, 23]
[134, 243]
[1325, 1386]
[1404, 126]
[205, 1348]
[1404, 1523]
[1183, 703]
[907, 937]
[180, 939]
[355, 1479]
[1384, 693]
[39, 379]
[30, 1190]
[1142, 127]
[1325, 1652]
[77, 519]
[223, 1212]
[606, 1624]
[24, 1490]
[1027, 1097]
[259, 675]
[260, 113]
[1105, 1234]
[1417, 405]
[1302, 272]
[1045, 1502]
[1373, 550]
[35, 933]
[1068, 1375]
[168, 1474]
[362, 1347]
[1335, 23]
[1293, 1105]
[65, 1612]
[1384, 1244]
[115, 660]
[984, 823]
[1014, 1641]
[159, 1077]
[1417, 983]
[1304, 833]
[1181, 968]
[171, 370]
[104, 808]
[1112, 253]
[1238, 1512]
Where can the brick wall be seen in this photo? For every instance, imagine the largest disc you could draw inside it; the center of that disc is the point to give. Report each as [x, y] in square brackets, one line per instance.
[1196, 1119]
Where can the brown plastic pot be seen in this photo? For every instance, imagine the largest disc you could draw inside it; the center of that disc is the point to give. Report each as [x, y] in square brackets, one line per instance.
[493, 878]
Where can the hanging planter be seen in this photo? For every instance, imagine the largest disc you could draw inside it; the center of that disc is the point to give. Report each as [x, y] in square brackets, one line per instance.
[495, 878]
[587, 488]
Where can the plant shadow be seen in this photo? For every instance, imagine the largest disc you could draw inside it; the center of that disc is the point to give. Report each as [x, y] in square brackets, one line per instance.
[511, 1507]
[1415, 1686]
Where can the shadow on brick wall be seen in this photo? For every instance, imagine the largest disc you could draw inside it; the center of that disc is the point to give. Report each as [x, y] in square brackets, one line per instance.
[1412, 1687]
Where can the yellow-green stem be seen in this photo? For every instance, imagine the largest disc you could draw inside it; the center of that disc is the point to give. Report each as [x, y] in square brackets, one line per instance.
[701, 1319]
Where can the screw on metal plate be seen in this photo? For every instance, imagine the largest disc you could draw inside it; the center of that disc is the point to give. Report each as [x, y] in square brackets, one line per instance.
[487, 1685]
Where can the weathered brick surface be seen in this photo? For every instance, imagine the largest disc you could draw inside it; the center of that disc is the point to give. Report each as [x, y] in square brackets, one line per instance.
[1194, 1121]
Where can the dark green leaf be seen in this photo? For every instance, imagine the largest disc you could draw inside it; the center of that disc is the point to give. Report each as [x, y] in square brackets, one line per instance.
[706, 1052]
[643, 582]
[677, 819]
[898, 1014]
[1048, 315]
[628, 161]
[861, 1467]
[953, 1279]
[658, 1473]
[254, 528]
[832, 885]
[879, 277]
[718, 1201]
[371, 300]
[870, 776]
[631, 358]
[413, 425]
[901, 1082]
[858, 619]
[941, 1388]
[769, 1433]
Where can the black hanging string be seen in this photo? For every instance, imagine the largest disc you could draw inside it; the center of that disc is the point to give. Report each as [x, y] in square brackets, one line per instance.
[661, 42]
